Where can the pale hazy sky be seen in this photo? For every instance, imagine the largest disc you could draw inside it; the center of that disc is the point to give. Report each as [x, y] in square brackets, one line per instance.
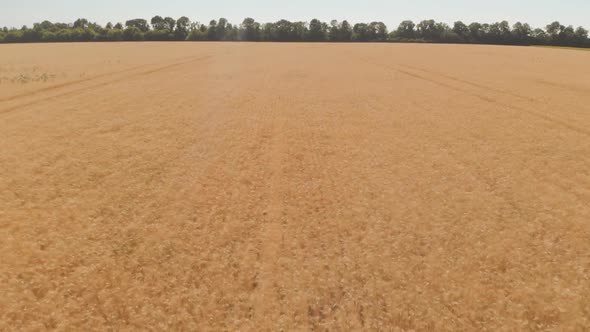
[536, 12]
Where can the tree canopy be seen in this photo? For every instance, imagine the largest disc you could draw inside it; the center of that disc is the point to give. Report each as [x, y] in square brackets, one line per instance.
[160, 28]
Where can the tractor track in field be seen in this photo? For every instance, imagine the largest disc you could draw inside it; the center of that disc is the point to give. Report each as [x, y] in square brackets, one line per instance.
[131, 74]
[431, 77]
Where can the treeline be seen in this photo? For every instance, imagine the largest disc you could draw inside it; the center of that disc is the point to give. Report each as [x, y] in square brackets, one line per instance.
[170, 29]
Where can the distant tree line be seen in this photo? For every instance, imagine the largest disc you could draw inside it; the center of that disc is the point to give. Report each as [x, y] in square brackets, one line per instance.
[169, 29]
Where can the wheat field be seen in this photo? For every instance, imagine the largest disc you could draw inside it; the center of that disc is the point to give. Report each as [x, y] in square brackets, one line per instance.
[267, 187]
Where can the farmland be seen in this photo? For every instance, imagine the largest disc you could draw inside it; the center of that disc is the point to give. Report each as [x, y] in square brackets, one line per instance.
[242, 186]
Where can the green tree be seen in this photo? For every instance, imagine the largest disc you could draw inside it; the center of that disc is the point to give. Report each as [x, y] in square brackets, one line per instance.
[317, 31]
[581, 37]
[13, 36]
[345, 31]
[133, 33]
[568, 36]
[163, 29]
[286, 31]
[377, 32]
[476, 32]
[139, 24]
[266, 32]
[158, 35]
[197, 35]
[521, 33]
[31, 36]
[182, 28]
[250, 30]
[44, 26]
[462, 30]
[232, 32]
[60, 26]
[282, 31]
[221, 29]
[212, 31]
[87, 35]
[445, 34]
[158, 23]
[505, 35]
[406, 29]
[48, 36]
[334, 31]
[170, 24]
[360, 32]
[340, 32]
[115, 35]
[539, 36]
[64, 35]
[554, 29]
[299, 31]
[427, 30]
[81, 23]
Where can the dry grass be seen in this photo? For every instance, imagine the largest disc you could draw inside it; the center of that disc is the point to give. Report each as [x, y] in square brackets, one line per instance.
[295, 187]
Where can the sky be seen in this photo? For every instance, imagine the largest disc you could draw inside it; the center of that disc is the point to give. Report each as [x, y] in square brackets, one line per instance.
[536, 12]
